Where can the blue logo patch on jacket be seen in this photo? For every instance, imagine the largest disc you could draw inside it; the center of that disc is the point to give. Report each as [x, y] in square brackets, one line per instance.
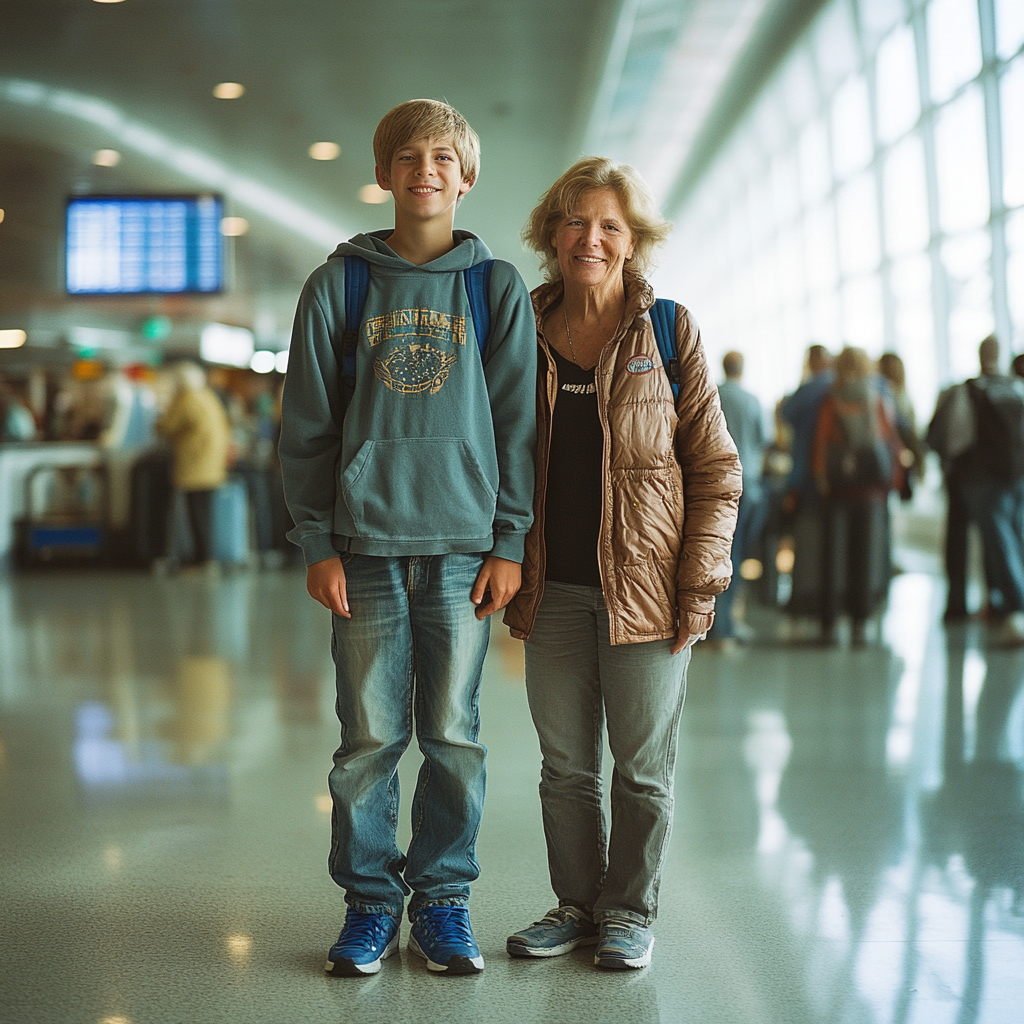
[640, 364]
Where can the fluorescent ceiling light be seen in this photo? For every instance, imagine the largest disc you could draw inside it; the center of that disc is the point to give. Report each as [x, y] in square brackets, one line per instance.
[232, 227]
[229, 90]
[229, 346]
[106, 158]
[325, 151]
[12, 339]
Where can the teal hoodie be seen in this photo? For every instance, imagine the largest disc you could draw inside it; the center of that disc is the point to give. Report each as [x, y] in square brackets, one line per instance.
[435, 452]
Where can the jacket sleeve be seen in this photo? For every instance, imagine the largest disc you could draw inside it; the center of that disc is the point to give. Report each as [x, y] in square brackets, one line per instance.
[712, 482]
[311, 417]
[510, 369]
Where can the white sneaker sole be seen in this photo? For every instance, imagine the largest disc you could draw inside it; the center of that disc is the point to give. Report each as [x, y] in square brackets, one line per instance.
[614, 963]
[346, 968]
[521, 950]
[457, 964]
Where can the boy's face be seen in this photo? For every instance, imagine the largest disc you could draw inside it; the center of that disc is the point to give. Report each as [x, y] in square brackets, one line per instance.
[425, 178]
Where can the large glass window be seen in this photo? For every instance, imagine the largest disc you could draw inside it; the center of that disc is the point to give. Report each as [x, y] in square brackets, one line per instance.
[851, 128]
[820, 249]
[899, 98]
[857, 215]
[1012, 104]
[1015, 274]
[793, 196]
[954, 46]
[1009, 27]
[815, 173]
[862, 313]
[906, 199]
[962, 163]
[967, 260]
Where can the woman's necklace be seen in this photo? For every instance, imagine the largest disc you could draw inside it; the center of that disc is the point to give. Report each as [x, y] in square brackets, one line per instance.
[572, 351]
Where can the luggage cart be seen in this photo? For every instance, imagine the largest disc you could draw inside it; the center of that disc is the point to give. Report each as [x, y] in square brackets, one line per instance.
[65, 516]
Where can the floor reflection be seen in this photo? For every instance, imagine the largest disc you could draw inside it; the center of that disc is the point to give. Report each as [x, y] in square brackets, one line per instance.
[849, 842]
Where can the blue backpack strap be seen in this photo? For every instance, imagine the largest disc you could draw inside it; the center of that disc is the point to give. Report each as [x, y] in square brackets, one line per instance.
[478, 284]
[663, 316]
[357, 283]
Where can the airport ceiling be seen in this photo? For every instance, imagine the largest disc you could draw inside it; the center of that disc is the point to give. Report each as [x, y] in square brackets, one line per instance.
[540, 80]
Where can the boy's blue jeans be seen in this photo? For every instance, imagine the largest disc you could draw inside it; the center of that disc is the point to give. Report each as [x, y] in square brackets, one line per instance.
[413, 651]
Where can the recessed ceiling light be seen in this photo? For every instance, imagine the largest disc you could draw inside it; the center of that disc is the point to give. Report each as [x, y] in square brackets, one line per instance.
[108, 1]
[106, 158]
[12, 339]
[325, 151]
[233, 226]
[374, 194]
[228, 90]
[1, 216]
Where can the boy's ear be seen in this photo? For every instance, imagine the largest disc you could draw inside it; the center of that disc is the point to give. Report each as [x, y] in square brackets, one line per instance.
[465, 186]
[382, 179]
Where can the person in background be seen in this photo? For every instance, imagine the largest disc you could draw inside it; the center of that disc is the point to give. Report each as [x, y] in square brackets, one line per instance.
[745, 420]
[634, 511]
[891, 368]
[988, 438]
[855, 460]
[16, 420]
[197, 427]
[800, 412]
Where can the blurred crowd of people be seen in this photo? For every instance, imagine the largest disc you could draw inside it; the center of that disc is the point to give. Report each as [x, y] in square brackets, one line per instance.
[186, 429]
[846, 445]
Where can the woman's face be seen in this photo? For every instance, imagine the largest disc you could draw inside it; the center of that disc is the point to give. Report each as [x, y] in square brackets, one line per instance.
[594, 241]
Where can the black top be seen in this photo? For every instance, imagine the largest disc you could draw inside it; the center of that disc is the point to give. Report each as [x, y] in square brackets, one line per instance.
[572, 513]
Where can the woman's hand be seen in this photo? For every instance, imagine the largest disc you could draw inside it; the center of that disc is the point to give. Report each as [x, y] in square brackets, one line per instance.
[501, 579]
[685, 639]
[326, 583]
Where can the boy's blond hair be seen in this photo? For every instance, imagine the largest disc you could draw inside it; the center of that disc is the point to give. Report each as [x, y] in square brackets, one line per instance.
[426, 119]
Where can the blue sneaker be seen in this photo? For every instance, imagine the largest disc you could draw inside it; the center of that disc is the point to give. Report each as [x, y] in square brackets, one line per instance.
[364, 942]
[557, 932]
[623, 944]
[443, 937]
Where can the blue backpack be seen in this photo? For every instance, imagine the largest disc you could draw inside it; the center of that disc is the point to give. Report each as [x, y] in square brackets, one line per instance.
[478, 280]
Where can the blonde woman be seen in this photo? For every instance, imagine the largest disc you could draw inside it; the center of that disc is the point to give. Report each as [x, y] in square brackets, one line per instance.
[634, 511]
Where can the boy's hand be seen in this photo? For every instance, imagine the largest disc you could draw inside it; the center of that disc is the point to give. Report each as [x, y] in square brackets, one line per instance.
[325, 582]
[500, 579]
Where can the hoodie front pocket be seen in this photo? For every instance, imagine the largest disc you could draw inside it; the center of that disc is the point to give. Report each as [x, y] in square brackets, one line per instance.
[429, 488]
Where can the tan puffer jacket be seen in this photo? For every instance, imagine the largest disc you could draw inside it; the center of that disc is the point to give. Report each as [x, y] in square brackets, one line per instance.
[672, 481]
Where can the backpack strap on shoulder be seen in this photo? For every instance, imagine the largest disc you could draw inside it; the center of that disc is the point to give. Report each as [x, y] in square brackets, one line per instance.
[478, 284]
[357, 283]
[663, 317]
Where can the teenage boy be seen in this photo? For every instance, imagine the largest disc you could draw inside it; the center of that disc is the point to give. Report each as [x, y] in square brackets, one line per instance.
[411, 488]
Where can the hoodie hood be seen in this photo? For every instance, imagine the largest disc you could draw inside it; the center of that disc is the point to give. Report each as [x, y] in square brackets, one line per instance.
[468, 251]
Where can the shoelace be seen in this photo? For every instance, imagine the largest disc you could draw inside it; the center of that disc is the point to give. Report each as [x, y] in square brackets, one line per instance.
[361, 928]
[450, 923]
[557, 916]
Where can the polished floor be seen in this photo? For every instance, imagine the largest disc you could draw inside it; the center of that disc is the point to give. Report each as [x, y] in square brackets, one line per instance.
[849, 840]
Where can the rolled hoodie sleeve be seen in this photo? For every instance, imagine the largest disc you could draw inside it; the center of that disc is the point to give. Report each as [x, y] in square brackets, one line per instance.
[510, 369]
[712, 482]
[311, 418]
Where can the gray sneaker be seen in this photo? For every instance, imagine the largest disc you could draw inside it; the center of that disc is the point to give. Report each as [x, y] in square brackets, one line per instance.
[623, 945]
[557, 932]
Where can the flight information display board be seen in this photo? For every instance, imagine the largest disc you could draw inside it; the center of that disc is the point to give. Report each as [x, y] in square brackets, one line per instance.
[130, 245]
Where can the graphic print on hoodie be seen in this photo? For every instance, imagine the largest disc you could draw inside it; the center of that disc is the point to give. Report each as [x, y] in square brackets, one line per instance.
[414, 365]
[434, 453]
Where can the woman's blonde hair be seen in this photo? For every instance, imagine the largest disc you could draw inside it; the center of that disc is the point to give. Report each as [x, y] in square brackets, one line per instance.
[646, 225]
[853, 364]
[426, 119]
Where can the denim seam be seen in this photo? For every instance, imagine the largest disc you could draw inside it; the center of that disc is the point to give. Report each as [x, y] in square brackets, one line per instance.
[670, 752]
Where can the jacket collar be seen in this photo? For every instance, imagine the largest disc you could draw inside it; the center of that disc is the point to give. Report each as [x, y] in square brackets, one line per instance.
[639, 299]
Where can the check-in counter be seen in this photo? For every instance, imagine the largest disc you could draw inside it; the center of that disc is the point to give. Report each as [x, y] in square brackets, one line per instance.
[18, 461]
